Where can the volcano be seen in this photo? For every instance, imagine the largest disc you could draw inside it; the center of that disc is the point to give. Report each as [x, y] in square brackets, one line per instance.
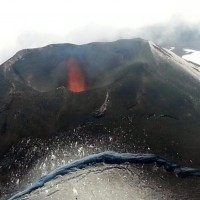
[127, 95]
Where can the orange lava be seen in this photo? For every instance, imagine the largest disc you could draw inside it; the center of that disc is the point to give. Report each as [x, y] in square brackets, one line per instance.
[75, 76]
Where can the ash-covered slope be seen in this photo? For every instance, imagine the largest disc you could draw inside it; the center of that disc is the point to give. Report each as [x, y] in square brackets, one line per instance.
[152, 94]
[105, 158]
[45, 69]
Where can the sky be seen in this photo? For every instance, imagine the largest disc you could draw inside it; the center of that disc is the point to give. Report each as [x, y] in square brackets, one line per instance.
[35, 23]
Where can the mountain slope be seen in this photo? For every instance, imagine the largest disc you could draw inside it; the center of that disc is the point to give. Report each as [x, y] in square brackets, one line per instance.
[152, 95]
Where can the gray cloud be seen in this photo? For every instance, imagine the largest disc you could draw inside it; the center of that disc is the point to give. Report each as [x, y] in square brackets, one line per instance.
[31, 24]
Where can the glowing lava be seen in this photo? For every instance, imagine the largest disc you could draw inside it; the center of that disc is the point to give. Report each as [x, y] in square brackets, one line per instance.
[75, 76]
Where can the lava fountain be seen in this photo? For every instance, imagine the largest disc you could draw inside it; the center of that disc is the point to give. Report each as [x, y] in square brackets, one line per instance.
[75, 76]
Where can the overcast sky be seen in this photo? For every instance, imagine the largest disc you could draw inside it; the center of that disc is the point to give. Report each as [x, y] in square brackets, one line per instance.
[35, 23]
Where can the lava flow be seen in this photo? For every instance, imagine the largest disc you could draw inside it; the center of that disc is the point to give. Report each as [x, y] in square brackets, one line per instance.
[75, 76]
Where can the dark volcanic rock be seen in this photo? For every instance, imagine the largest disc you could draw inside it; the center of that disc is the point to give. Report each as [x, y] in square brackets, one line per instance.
[39, 95]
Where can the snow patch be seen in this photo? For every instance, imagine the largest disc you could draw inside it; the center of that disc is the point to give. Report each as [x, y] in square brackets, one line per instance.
[192, 56]
[171, 57]
[171, 48]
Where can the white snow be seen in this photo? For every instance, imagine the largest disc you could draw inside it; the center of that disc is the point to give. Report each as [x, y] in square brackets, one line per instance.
[192, 55]
[187, 67]
[171, 48]
[75, 191]
[53, 157]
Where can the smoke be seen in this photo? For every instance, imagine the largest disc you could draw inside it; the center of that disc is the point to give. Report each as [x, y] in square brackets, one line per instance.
[179, 34]
[29, 24]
